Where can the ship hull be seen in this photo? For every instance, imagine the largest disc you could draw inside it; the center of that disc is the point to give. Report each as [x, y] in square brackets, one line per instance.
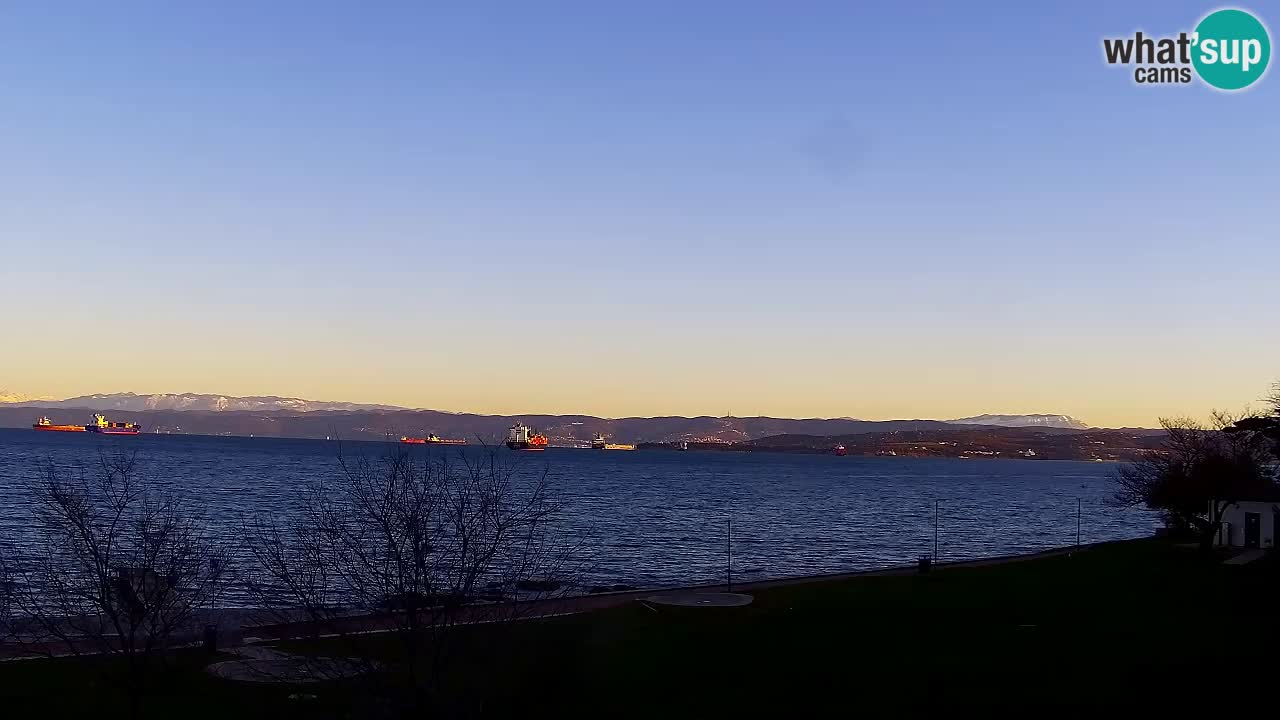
[426, 441]
[527, 447]
[59, 428]
[113, 431]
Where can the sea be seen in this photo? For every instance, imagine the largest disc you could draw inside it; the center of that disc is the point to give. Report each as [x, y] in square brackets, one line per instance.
[658, 518]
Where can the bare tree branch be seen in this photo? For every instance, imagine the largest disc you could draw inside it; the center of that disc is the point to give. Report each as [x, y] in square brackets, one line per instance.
[412, 547]
[1201, 471]
[119, 569]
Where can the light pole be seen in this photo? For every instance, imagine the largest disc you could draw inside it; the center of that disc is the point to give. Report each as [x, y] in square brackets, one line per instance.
[728, 570]
[1077, 522]
[935, 530]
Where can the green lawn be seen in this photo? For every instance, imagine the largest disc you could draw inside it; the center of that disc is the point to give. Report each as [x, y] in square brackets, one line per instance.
[1141, 623]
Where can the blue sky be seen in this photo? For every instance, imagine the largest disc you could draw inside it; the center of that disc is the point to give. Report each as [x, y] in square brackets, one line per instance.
[832, 209]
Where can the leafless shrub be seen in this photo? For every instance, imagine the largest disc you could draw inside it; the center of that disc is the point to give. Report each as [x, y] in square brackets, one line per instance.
[118, 568]
[411, 548]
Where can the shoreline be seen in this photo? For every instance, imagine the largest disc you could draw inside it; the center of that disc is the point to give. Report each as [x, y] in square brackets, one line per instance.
[237, 627]
[642, 447]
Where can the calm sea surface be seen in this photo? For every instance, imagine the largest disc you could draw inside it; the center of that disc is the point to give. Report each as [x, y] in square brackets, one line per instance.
[652, 518]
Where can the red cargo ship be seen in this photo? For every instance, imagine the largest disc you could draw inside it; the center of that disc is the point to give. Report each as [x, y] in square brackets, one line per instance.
[45, 423]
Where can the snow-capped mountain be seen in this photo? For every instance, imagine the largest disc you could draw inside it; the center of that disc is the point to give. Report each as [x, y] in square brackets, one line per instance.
[8, 396]
[1057, 421]
[194, 402]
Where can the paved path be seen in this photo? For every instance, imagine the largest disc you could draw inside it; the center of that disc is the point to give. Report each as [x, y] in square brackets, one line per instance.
[1245, 557]
[255, 663]
[700, 599]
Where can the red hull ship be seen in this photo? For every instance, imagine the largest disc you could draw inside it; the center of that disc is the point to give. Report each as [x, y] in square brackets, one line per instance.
[521, 437]
[47, 425]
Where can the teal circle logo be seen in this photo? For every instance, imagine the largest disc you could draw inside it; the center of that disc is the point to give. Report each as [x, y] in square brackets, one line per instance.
[1232, 49]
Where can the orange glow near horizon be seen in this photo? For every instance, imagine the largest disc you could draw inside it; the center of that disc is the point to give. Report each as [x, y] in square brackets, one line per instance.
[547, 382]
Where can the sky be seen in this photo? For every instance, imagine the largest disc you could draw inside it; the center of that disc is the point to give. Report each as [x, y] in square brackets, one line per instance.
[812, 209]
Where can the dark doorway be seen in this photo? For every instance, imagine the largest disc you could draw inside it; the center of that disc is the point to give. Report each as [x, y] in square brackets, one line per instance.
[1252, 530]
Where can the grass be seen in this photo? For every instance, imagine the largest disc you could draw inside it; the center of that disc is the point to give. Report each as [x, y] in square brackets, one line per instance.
[92, 687]
[1141, 623]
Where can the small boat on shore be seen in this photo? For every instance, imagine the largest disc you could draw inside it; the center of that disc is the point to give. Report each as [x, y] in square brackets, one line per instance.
[47, 425]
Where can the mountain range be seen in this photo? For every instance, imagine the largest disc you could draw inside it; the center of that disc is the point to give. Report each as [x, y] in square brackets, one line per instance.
[272, 416]
[196, 402]
[200, 402]
[1039, 436]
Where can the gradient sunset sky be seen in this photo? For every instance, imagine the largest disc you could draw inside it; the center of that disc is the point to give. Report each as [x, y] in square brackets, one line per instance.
[875, 210]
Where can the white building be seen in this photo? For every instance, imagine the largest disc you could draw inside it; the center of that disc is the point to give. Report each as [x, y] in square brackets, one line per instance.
[1250, 524]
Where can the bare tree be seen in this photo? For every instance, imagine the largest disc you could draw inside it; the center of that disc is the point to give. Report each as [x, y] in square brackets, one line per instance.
[412, 547]
[118, 569]
[1201, 471]
[1266, 426]
[6, 593]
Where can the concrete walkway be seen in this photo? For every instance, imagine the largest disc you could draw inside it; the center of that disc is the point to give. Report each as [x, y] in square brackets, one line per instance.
[1245, 557]
[700, 599]
[255, 663]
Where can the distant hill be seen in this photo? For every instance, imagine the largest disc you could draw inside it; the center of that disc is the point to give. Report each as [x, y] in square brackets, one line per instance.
[272, 416]
[993, 436]
[922, 438]
[977, 441]
[1059, 421]
[379, 424]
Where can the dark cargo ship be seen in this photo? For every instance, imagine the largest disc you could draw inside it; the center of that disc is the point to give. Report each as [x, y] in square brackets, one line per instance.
[521, 437]
[100, 425]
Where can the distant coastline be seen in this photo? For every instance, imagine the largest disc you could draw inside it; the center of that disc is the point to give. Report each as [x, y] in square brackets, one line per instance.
[889, 438]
